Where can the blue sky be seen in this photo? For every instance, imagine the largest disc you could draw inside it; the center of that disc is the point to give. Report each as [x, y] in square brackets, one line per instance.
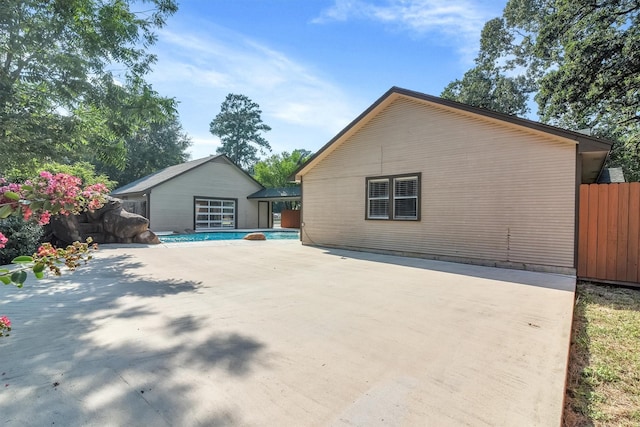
[311, 65]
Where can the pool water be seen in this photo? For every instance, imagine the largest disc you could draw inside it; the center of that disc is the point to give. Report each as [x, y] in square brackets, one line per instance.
[227, 235]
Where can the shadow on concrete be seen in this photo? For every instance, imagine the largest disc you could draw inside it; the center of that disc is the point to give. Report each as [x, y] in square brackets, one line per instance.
[91, 347]
[544, 280]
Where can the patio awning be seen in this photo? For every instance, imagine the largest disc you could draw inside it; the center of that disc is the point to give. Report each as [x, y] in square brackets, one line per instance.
[284, 193]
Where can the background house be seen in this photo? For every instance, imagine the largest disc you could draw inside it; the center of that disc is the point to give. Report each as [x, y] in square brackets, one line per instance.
[205, 194]
[420, 175]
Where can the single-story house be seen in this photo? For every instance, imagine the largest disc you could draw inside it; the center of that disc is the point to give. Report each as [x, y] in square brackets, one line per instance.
[423, 176]
[206, 194]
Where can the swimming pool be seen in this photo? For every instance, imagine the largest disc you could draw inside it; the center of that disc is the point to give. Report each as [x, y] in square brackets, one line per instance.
[227, 235]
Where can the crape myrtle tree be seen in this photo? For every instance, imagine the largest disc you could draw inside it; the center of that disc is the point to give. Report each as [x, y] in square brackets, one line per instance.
[72, 77]
[239, 126]
[36, 200]
[579, 61]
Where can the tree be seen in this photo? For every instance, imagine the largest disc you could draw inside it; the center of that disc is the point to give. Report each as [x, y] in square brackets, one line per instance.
[58, 91]
[83, 170]
[275, 172]
[238, 125]
[486, 85]
[581, 59]
[150, 149]
[491, 90]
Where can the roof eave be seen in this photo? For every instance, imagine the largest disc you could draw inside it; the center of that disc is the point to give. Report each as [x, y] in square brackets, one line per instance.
[585, 142]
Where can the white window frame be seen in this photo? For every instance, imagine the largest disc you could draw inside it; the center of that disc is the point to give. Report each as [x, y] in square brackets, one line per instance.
[221, 213]
[397, 197]
[369, 198]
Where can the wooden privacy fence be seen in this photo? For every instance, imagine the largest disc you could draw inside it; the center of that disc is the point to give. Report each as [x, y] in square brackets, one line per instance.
[609, 232]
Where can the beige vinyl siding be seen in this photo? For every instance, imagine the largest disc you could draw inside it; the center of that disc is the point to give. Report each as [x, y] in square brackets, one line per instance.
[172, 202]
[489, 191]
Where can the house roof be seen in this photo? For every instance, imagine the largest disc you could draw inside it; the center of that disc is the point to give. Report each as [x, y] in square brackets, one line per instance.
[153, 180]
[594, 150]
[611, 175]
[277, 193]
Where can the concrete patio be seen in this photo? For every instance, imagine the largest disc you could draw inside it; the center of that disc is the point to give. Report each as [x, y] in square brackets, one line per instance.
[277, 334]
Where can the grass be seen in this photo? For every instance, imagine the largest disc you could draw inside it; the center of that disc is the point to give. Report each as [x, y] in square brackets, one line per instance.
[603, 382]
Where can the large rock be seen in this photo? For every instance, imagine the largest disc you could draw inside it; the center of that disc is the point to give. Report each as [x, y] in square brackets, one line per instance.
[110, 204]
[109, 224]
[66, 228]
[124, 224]
[147, 237]
[255, 236]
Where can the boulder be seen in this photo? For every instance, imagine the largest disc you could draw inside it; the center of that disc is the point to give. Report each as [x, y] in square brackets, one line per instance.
[110, 204]
[123, 224]
[147, 237]
[109, 224]
[255, 236]
[66, 228]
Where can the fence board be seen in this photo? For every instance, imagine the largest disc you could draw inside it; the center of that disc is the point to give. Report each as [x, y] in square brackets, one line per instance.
[623, 230]
[612, 231]
[609, 232]
[634, 230]
[592, 230]
[583, 231]
[601, 245]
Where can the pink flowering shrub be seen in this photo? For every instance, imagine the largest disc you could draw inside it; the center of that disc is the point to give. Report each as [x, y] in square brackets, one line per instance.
[5, 326]
[47, 195]
[37, 200]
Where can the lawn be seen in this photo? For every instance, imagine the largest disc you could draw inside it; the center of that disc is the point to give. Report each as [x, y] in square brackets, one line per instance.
[603, 383]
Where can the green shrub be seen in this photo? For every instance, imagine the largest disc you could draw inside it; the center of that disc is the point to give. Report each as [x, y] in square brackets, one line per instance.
[24, 238]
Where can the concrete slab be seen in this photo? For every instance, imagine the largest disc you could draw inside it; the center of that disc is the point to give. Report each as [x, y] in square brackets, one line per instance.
[274, 333]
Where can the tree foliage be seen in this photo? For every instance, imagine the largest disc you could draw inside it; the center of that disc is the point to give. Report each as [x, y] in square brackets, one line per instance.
[83, 170]
[59, 92]
[151, 148]
[239, 126]
[275, 171]
[581, 60]
[486, 85]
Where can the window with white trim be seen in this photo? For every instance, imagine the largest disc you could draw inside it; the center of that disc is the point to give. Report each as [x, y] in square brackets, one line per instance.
[395, 197]
[378, 200]
[215, 213]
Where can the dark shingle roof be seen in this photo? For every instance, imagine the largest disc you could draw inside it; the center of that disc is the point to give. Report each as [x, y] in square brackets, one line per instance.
[610, 175]
[145, 183]
[150, 181]
[276, 193]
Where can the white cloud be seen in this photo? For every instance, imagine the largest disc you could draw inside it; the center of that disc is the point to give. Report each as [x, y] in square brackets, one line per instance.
[459, 22]
[303, 108]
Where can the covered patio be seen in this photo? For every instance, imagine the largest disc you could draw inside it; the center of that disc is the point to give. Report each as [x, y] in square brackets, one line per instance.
[267, 197]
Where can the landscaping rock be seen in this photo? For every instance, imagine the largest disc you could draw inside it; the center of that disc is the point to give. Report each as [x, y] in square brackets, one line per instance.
[255, 236]
[66, 228]
[109, 224]
[111, 204]
[124, 224]
[147, 237]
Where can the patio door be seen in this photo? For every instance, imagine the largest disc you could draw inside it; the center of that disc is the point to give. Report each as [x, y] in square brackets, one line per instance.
[263, 214]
